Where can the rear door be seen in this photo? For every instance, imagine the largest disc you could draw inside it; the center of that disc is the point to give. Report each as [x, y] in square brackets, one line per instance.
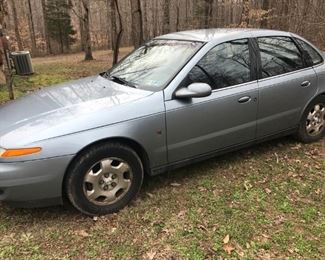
[286, 85]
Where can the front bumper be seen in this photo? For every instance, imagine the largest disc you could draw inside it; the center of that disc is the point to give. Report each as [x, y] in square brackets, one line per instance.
[33, 183]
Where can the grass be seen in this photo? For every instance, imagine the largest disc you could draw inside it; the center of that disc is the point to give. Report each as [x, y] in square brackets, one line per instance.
[269, 199]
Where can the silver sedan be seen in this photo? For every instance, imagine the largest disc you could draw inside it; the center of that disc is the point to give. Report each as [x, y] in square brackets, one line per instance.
[178, 99]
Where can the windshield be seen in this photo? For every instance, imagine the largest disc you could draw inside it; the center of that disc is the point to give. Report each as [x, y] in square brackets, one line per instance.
[152, 66]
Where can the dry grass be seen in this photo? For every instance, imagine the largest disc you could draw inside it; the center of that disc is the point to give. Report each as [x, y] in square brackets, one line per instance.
[269, 199]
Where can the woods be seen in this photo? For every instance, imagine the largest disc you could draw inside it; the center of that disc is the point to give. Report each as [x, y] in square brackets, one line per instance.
[52, 26]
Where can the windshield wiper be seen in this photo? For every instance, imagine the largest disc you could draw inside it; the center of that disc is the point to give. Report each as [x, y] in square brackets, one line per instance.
[121, 81]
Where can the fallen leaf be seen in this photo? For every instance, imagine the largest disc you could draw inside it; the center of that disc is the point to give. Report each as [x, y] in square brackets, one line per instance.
[8, 238]
[202, 189]
[247, 185]
[175, 184]
[228, 248]
[266, 236]
[181, 214]
[226, 239]
[297, 147]
[203, 228]
[240, 253]
[150, 195]
[264, 256]
[151, 255]
[290, 251]
[26, 237]
[82, 233]
[279, 220]
[239, 250]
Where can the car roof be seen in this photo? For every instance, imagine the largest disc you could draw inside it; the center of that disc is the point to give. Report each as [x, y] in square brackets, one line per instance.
[212, 35]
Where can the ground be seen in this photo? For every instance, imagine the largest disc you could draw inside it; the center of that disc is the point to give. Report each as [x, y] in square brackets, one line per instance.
[264, 202]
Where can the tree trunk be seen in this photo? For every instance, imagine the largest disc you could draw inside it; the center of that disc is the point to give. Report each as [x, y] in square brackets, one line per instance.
[113, 24]
[31, 28]
[145, 20]
[207, 12]
[46, 31]
[81, 27]
[116, 35]
[137, 26]
[286, 23]
[16, 24]
[244, 20]
[88, 50]
[109, 24]
[265, 7]
[4, 49]
[166, 25]
[177, 17]
[61, 39]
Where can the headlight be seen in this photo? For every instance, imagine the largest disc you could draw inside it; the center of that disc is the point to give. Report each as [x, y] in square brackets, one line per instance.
[8, 153]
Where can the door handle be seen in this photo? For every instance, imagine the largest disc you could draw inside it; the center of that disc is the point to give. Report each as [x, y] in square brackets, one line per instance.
[244, 99]
[305, 84]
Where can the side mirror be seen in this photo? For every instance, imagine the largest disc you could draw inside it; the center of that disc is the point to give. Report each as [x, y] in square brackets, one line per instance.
[195, 90]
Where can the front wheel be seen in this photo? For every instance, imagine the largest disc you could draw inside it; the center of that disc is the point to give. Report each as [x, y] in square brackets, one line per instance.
[104, 179]
[312, 124]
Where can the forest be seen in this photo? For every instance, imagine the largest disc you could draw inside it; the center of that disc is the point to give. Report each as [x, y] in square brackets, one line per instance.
[62, 26]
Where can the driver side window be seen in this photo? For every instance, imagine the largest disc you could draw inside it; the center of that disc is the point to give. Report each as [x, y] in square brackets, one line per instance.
[225, 65]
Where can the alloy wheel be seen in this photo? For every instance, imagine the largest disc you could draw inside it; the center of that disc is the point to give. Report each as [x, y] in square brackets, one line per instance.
[315, 122]
[107, 181]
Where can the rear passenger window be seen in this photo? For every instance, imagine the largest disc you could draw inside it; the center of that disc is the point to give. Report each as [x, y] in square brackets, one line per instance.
[313, 54]
[225, 65]
[279, 55]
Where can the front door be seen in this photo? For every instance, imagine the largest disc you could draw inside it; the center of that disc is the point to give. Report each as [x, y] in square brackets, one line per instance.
[198, 126]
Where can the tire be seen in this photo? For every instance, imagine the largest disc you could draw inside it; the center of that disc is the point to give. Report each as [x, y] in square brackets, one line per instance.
[104, 179]
[312, 124]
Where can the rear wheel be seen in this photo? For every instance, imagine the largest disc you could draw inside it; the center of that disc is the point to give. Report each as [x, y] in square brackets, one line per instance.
[312, 124]
[104, 179]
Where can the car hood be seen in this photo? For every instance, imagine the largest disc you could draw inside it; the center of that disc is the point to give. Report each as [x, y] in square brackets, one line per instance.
[66, 108]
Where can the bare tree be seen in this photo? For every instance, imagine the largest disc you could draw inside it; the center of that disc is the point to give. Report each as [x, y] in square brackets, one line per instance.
[265, 8]
[81, 25]
[16, 24]
[117, 29]
[4, 49]
[137, 26]
[31, 27]
[207, 12]
[244, 19]
[166, 20]
[86, 23]
[177, 17]
[46, 32]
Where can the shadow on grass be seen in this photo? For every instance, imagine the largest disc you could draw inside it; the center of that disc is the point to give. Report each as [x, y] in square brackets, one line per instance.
[192, 171]
[151, 184]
